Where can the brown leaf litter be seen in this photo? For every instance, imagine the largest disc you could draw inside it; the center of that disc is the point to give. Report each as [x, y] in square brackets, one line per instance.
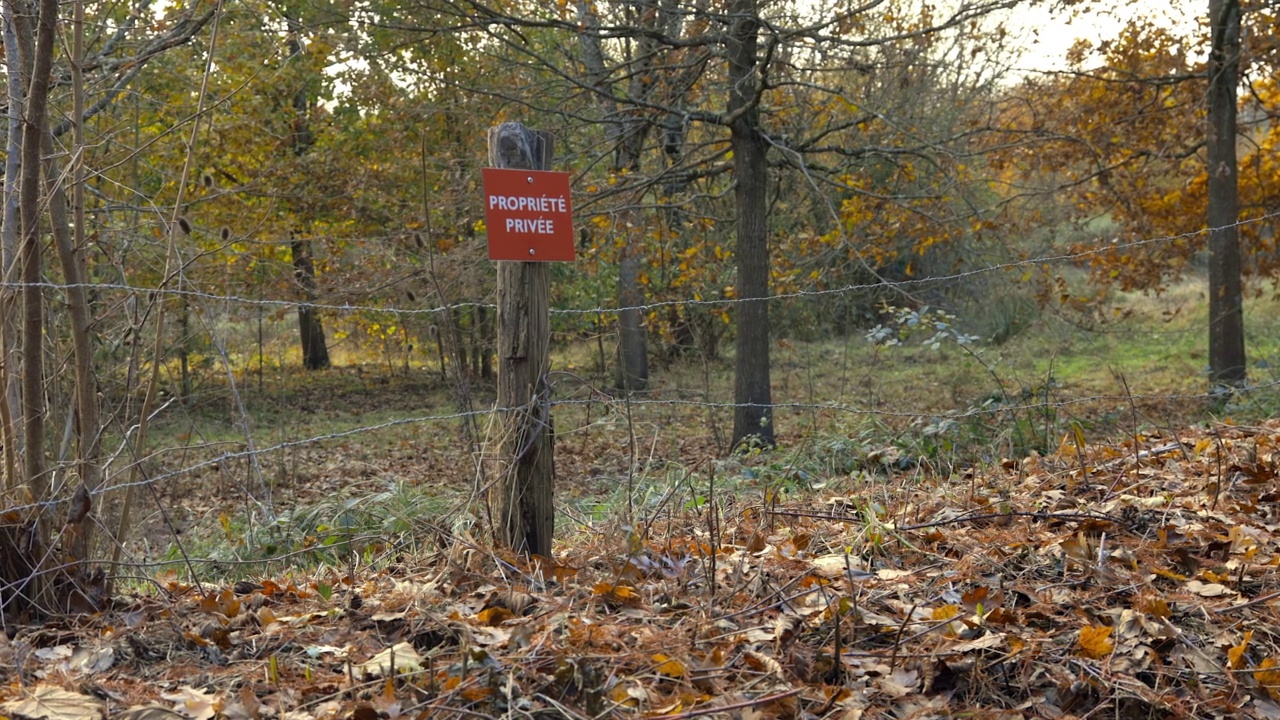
[1128, 581]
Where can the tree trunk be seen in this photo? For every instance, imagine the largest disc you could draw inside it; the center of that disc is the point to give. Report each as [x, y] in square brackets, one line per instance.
[633, 352]
[473, 340]
[88, 425]
[71, 253]
[1226, 313]
[627, 137]
[315, 353]
[753, 411]
[460, 354]
[486, 342]
[10, 332]
[184, 349]
[522, 496]
[35, 121]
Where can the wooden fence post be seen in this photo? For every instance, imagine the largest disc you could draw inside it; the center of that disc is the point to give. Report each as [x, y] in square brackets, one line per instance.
[521, 494]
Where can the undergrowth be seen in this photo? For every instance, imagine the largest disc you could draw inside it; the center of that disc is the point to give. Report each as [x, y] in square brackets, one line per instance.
[333, 532]
[916, 398]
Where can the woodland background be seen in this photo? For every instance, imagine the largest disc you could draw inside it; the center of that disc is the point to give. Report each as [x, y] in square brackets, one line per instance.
[823, 247]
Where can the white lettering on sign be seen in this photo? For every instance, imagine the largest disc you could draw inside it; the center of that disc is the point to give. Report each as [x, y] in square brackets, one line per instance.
[537, 227]
[529, 204]
[528, 215]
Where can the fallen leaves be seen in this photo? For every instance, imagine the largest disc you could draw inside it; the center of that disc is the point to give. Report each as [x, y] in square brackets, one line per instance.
[399, 658]
[669, 667]
[48, 702]
[195, 703]
[1208, 589]
[1268, 676]
[616, 595]
[1095, 641]
[1034, 585]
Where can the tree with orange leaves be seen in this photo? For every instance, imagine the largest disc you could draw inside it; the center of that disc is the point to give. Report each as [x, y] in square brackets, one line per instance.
[1148, 139]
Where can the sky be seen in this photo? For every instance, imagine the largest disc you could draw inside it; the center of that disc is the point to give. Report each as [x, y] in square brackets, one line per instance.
[1048, 34]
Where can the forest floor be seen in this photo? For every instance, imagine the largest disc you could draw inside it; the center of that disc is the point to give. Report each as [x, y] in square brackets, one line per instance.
[1134, 580]
[1023, 533]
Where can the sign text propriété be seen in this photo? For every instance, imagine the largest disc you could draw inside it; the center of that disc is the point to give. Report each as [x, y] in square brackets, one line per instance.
[528, 215]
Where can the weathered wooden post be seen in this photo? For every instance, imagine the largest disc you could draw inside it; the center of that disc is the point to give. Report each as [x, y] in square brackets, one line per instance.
[528, 221]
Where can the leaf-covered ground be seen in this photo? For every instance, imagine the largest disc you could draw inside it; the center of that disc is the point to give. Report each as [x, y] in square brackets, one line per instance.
[1131, 580]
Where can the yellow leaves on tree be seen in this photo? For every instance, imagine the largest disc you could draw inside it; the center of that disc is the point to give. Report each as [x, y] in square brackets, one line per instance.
[1122, 140]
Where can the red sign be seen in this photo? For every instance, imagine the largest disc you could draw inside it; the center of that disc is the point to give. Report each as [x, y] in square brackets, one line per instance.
[527, 215]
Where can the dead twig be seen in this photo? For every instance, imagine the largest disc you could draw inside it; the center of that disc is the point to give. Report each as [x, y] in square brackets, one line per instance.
[1255, 601]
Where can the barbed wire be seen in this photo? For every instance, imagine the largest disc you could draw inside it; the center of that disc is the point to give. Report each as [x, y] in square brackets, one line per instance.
[988, 409]
[598, 398]
[643, 307]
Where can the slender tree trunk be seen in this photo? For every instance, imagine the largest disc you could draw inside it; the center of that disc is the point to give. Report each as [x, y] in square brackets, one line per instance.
[486, 342]
[10, 332]
[1226, 313]
[459, 348]
[88, 425]
[35, 122]
[184, 348]
[473, 340]
[627, 137]
[315, 352]
[71, 252]
[753, 411]
[633, 344]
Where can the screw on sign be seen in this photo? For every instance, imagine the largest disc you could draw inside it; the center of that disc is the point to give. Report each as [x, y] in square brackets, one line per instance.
[528, 215]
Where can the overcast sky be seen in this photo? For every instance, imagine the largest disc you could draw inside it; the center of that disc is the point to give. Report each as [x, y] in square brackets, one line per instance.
[1048, 35]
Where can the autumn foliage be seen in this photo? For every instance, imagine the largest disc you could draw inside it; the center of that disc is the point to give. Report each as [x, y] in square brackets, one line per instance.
[1120, 139]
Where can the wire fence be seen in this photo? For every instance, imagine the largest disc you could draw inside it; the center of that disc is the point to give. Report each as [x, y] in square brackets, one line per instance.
[628, 409]
[901, 284]
[619, 405]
